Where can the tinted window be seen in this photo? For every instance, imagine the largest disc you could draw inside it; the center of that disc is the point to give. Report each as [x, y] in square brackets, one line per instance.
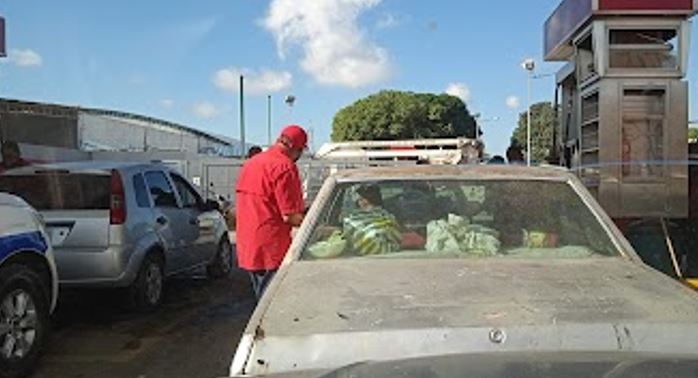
[139, 188]
[60, 191]
[188, 195]
[468, 219]
[160, 190]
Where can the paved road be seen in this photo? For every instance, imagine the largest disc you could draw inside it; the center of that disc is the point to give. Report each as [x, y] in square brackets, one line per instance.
[194, 334]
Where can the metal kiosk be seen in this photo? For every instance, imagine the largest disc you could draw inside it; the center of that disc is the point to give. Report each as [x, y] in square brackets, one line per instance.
[623, 101]
[622, 118]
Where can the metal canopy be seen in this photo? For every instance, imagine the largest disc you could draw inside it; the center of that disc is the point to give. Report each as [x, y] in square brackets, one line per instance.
[571, 16]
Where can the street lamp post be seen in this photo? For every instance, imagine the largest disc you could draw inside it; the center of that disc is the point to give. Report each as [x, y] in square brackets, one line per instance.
[530, 66]
[242, 115]
[290, 100]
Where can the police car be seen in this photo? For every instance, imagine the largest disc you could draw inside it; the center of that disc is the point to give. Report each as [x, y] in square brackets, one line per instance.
[28, 286]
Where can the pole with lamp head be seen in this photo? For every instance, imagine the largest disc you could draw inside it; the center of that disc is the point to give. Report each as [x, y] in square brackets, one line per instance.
[242, 116]
[530, 66]
[290, 100]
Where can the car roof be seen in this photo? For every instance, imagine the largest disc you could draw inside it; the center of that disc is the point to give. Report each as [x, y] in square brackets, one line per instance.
[85, 166]
[456, 171]
[7, 199]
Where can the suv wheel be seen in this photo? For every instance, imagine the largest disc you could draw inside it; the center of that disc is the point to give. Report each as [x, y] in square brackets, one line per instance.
[222, 264]
[148, 289]
[24, 320]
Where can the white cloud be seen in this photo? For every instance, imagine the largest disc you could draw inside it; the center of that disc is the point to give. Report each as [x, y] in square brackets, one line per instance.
[387, 21]
[459, 90]
[513, 102]
[256, 82]
[205, 110]
[335, 50]
[166, 103]
[25, 58]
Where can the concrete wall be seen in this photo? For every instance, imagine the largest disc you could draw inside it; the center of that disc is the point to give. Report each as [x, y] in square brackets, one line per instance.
[44, 154]
[40, 130]
[99, 131]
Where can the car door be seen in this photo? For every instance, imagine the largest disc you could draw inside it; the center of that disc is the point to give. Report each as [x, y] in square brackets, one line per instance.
[171, 222]
[202, 221]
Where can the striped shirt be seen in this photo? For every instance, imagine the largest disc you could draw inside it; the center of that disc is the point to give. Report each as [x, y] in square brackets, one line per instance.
[372, 232]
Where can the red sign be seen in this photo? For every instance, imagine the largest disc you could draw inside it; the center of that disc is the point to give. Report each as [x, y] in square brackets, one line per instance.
[645, 5]
[3, 53]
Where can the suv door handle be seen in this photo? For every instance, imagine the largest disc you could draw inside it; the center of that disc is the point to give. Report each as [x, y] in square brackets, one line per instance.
[161, 221]
[194, 221]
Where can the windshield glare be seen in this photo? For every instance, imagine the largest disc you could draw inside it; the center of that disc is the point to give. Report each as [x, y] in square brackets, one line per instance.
[457, 218]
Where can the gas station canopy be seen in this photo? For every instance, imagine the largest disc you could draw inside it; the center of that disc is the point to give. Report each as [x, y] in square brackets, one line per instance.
[572, 15]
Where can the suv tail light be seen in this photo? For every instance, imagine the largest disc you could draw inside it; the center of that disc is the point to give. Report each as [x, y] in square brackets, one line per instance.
[117, 210]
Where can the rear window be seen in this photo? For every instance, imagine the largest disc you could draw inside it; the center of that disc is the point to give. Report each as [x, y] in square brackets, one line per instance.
[60, 191]
[458, 218]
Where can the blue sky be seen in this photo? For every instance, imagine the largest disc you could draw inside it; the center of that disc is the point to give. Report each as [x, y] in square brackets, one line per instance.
[179, 62]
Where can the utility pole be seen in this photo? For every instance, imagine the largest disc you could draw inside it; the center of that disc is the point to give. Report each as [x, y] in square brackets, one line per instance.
[242, 115]
[528, 125]
[3, 54]
[530, 66]
[269, 120]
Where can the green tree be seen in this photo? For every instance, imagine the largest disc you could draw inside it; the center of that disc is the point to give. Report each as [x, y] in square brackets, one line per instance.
[693, 133]
[391, 115]
[542, 124]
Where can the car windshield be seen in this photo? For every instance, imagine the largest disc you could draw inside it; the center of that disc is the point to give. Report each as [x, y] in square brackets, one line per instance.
[458, 218]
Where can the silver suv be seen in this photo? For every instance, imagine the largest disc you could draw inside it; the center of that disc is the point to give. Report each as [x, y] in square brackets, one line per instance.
[116, 225]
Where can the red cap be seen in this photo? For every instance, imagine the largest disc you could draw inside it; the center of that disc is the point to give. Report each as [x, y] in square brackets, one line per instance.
[297, 136]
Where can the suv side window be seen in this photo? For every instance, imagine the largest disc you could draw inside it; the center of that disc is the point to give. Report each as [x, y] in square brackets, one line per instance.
[190, 198]
[160, 189]
[142, 199]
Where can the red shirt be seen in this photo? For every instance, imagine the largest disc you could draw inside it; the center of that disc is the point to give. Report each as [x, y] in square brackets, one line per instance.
[269, 188]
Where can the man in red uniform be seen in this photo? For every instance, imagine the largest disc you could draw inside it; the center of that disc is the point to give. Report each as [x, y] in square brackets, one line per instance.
[269, 202]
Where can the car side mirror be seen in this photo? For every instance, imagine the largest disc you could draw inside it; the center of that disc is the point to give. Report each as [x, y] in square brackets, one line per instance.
[211, 205]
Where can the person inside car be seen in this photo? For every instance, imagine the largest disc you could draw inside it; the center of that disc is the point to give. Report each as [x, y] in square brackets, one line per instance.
[370, 229]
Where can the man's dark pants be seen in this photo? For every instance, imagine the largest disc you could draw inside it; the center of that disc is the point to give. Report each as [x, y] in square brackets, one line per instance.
[260, 279]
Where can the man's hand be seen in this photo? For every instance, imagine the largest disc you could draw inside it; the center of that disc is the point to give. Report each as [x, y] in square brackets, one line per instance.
[294, 220]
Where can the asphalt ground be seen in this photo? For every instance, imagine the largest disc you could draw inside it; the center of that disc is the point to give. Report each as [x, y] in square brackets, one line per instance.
[193, 334]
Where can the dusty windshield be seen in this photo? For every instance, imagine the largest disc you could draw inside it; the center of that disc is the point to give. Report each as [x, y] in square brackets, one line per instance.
[458, 218]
